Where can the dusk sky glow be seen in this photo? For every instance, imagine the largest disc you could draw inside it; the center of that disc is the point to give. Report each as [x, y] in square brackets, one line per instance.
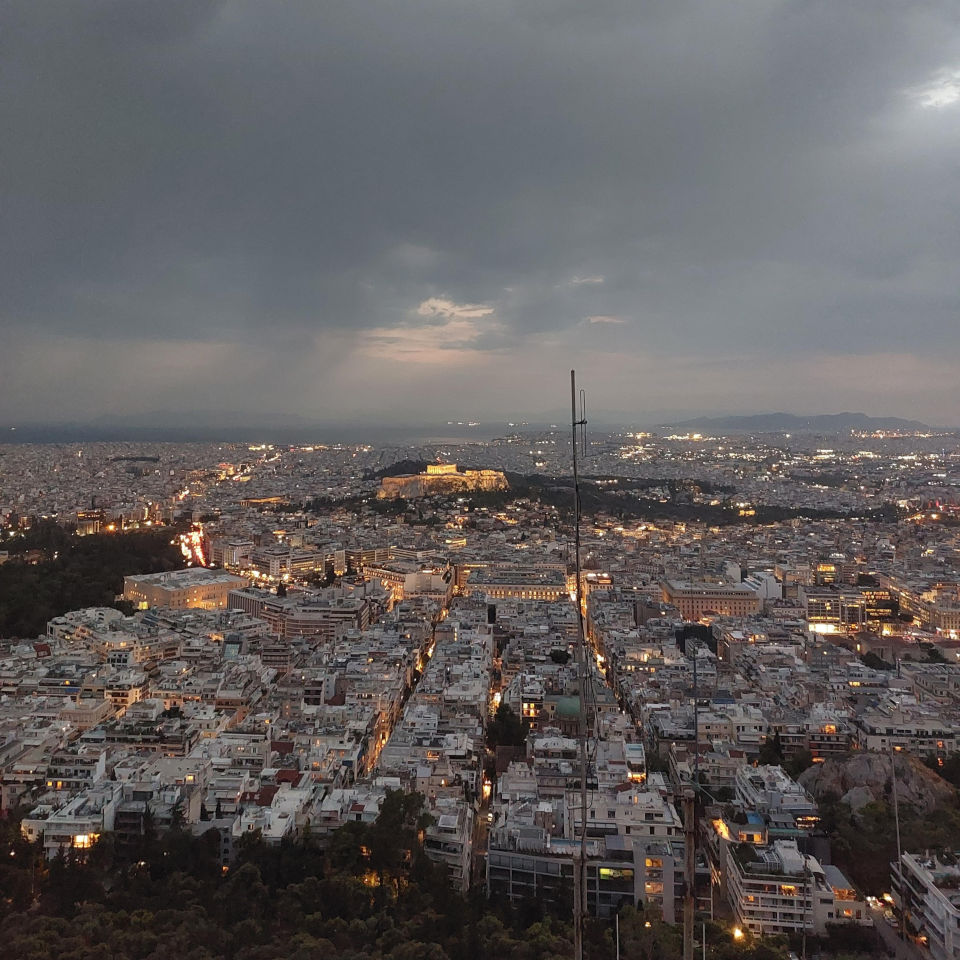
[402, 211]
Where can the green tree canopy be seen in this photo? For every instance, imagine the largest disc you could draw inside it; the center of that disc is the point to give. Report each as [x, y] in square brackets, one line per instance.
[507, 729]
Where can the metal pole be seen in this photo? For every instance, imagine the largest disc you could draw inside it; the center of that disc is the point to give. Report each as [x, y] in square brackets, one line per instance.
[692, 855]
[618, 935]
[896, 820]
[803, 948]
[577, 904]
[711, 894]
[690, 879]
[580, 858]
[696, 724]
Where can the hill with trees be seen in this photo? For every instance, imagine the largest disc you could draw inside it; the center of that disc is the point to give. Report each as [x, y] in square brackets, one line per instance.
[75, 572]
[373, 895]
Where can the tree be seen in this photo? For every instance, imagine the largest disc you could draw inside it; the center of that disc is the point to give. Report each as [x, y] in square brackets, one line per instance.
[284, 902]
[507, 729]
[656, 763]
[347, 850]
[244, 897]
[148, 826]
[800, 761]
[76, 572]
[645, 936]
[949, 770]
[394, 836]
[771, 751]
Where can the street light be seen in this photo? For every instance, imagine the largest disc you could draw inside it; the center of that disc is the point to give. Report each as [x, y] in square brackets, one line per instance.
[737, 934]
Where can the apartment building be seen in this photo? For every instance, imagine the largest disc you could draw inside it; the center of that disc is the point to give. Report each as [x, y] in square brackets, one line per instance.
[77, 825]
[194, 587]
[447, 839]
[779, 889]
[924, 734]
[694, 600]
[768, 789]
[928, 889]
[525, 861]
[629, 811]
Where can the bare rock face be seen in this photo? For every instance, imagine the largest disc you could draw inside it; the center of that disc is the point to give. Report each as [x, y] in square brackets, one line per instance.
[857, 798]
[866, 777]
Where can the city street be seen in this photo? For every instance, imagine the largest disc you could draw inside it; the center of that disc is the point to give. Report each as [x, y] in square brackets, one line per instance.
[902, 949]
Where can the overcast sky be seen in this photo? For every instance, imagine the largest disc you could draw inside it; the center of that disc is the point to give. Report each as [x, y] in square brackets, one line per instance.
[424, 209]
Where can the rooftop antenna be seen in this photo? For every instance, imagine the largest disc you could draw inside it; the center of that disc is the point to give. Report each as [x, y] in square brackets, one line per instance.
[580, 854]
[582, 422]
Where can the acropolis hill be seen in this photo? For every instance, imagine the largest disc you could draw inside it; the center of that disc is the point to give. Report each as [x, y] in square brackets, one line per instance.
[441, 478]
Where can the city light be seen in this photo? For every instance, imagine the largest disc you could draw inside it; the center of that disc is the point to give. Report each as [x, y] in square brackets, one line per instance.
[376, 677]
[191, 546]
[308, 530]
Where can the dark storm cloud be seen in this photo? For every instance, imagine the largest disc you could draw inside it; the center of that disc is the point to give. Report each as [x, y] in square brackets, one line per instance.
[277, 187]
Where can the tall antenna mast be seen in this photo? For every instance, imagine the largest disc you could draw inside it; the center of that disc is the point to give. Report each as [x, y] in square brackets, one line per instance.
[579, 856]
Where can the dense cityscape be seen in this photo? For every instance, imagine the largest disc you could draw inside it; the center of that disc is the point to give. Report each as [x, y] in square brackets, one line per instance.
[479, 481]
[304, 633]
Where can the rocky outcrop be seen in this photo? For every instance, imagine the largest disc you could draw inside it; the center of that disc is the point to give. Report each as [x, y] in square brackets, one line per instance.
[426, 485]
[866, 777]
[858, 797]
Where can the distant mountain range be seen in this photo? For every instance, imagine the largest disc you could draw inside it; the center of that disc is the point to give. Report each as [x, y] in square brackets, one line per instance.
[235, 426]
[790, 423]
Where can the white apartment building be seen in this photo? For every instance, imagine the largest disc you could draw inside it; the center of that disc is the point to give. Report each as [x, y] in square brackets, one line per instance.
[778, 889]
[633, 812]
[929, 889]
[768, 789]
[77, 825]
[447, 839]
[902, 730]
